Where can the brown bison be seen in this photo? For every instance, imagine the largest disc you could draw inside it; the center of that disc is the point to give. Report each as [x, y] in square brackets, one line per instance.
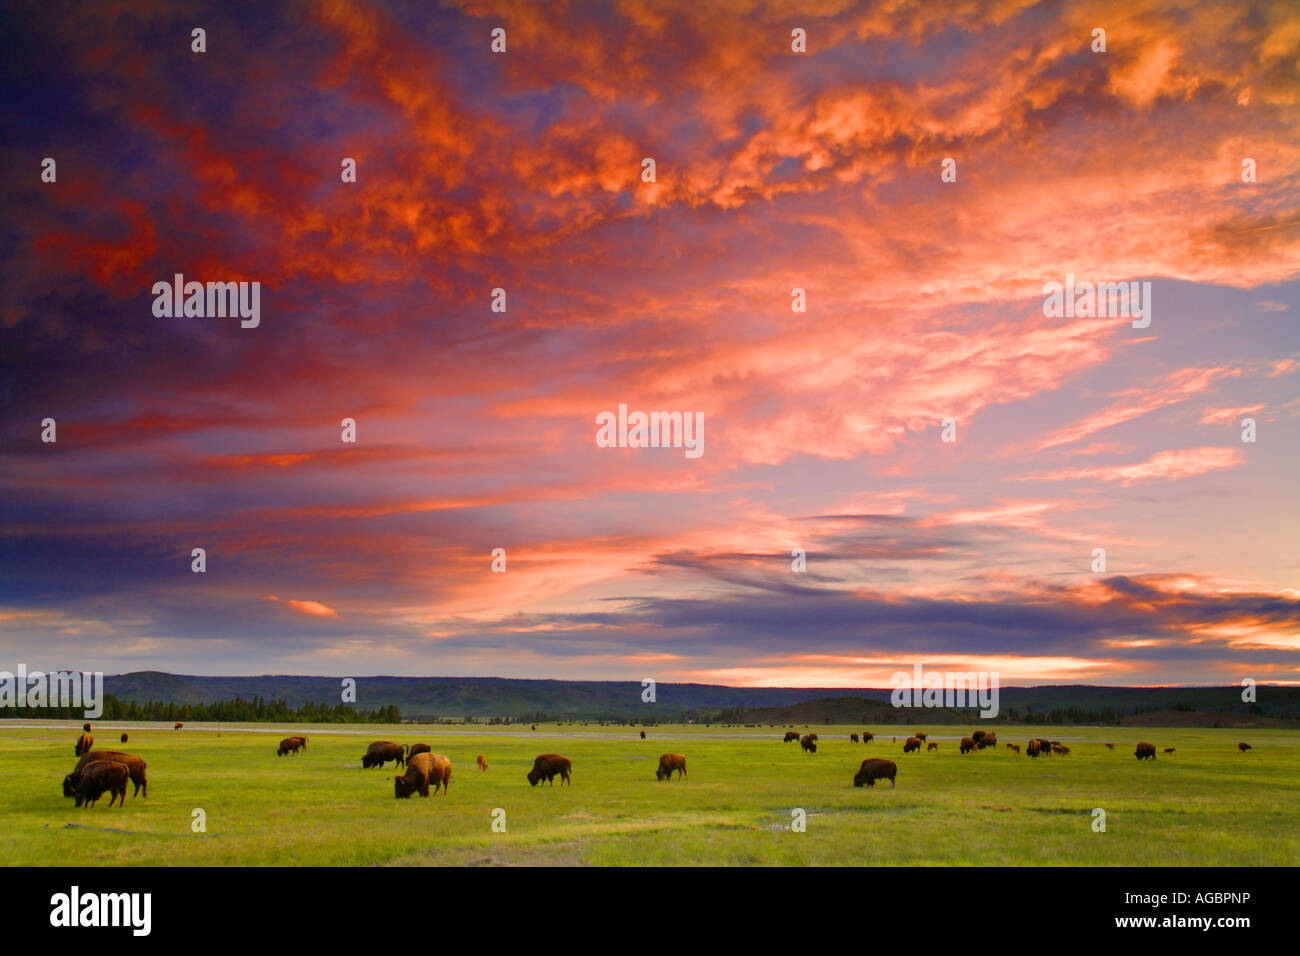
[1062, 750]
[809, 743]
[1044, 747]
[967, 744]
[124, 737]
[105, 776]
[873, 769]
[668, 763]
[178, 726]
[988, 740]
[382, 751]
[1243, 747]
[643, 735]
[1169, 750]
[867, 736]
[291, 745]
[910, 744]
[84, 744]
[423, 769]
[1110, 746]
[978, 735]
[534, 726]
[1145, 750]
[134, 765]
[482, 762]
[413, 749]
[919, 735]
[1015, 747]
[931, 746]
[86, 727]
[548, 765]
[853, 738]
[791, 735]
[1031, 748]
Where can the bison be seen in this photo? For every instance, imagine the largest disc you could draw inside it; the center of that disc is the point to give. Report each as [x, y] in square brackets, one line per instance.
[910, 744]
[423, 769]
[534, 726]
[853, 738]
[482, 762]
[867, 736]
[382, 751]
[84, 744]
[668, 763]
[978, 735]
[919, 735]
[809, 743]
[1110, 746]
[124, 737]
[1145, 750]
[988, 740]
[86, 727]
[291, 745]
[1031, 748]
[643, 735]
[134, 765]
[931, 746]
[1044, 747]
[414, 749]
[548, 765]
[873, 769]
[1015, 747]
[791, 735]
[105, 776]
[1062, 750]
[967, 744]
[178, 726]
[1243, 747]
[1169, 750]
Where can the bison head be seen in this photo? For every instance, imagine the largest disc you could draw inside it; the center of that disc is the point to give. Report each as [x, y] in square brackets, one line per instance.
[70, 787]
[401, 788]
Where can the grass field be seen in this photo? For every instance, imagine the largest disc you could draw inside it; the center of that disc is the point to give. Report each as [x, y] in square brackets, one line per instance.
[1206, 804]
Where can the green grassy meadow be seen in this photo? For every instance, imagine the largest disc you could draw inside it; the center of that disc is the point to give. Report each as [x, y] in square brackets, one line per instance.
[1205, 805]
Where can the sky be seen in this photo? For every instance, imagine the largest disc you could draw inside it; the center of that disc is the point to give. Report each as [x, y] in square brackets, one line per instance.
[965, 546]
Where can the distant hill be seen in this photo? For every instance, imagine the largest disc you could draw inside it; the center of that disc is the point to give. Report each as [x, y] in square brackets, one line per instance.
[425, 698]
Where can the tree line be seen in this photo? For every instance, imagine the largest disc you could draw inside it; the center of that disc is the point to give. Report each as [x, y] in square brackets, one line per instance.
[259, 709]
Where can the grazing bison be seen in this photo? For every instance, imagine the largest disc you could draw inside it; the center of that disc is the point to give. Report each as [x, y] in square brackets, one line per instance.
[134, 765]
[482, 763]
[423, 769]
[791, 735]
[1031, 748]
[178, 726]
[291, 745]
[105, 776]
[1044, 747]
[988, 740]
[867, 736]
[967, 744]
[853, 738]
[978, 735]
[1243, 747]
[643, 735]
[548, 765]
[84, 743]
[809, 743]
[1169, 750]
[873, 769]
[1145, 750]
[910, 744]
[123, 737]
[668, 763]
[382, 751]
[919, 735]
[1063, 750]
[931, 746]
[413, 749]
[1015, 747]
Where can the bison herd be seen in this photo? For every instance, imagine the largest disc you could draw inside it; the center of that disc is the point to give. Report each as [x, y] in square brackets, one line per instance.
[108, 771]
